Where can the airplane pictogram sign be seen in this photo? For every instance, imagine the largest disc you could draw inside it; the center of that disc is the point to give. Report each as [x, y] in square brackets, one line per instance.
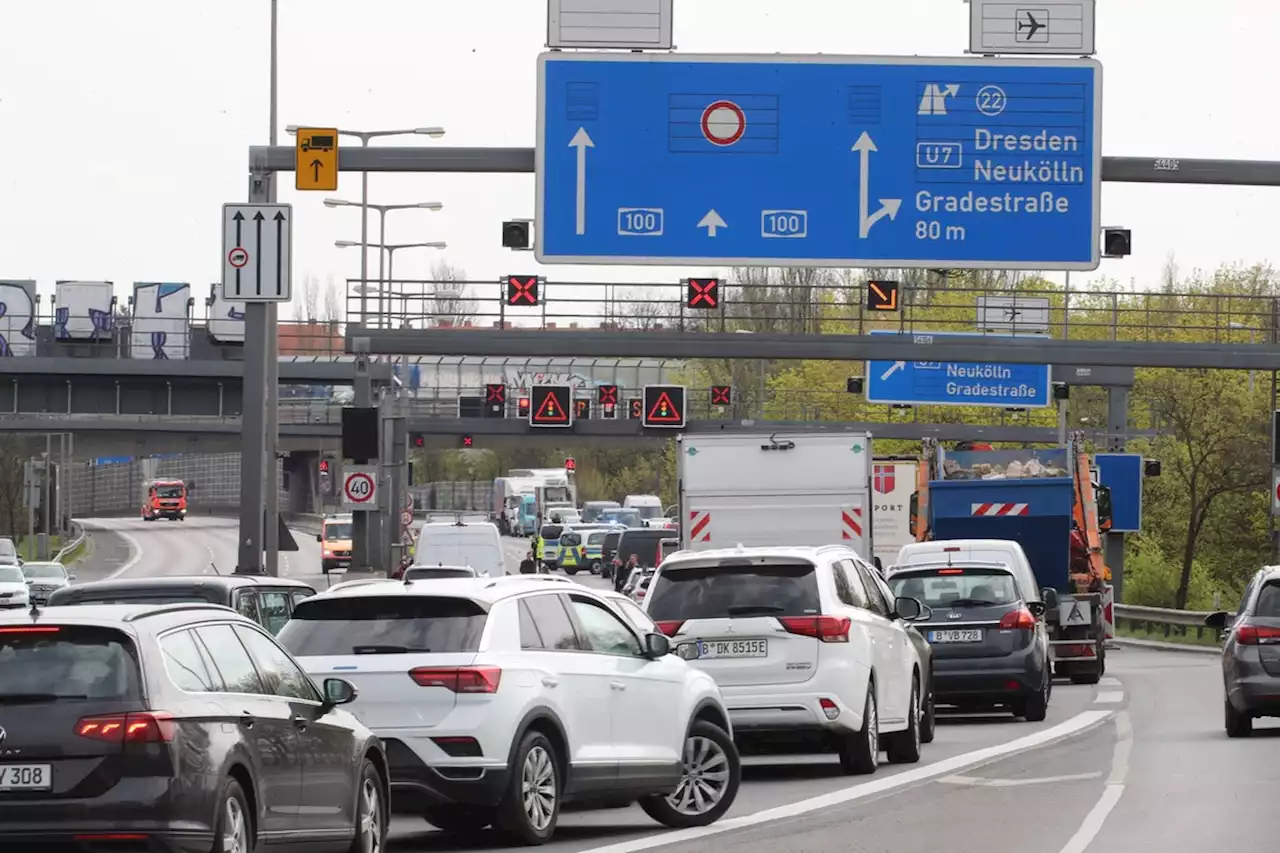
[522, 290]
[703, 293]
[551, 406]
[721, 395]
[664, 406]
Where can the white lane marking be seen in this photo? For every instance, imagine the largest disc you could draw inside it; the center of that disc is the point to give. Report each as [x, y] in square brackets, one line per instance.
[945, 767]
[1110, 682]
[979, 782]
[1111, 794]
[133, 547]
[1109, 697]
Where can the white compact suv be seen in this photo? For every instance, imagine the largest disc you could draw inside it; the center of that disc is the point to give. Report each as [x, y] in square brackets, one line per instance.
[803, 644]
[501, 699]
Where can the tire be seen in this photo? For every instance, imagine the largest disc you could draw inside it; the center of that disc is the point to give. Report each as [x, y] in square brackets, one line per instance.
[929, 719]
[904, 747]
[1237, 724]
[535, 759]
[233, 830]
[596, 568]
[860, 751]
[1035, 708]
[570, 570]
[710, 760]
[458, 820]
[372, 812]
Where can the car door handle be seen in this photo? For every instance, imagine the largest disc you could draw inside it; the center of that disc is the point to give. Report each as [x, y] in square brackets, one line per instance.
[300, 723]
[617, 685]
[247, 720]
[550, 682]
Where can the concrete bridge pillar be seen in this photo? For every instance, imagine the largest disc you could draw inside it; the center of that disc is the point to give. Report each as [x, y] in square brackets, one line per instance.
[303, 467]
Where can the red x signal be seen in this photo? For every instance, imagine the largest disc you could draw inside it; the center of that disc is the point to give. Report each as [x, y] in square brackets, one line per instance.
[495, 393]
[607, 395]
[522, 290]
[721, 395]
[703, 293]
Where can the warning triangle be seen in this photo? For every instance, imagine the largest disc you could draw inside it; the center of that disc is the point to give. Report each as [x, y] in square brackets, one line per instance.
[664, 411]
[551, 411]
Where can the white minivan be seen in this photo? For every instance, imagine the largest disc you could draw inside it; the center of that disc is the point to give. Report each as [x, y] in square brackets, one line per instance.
[649, 506]
[1004, 551]
[459, 543]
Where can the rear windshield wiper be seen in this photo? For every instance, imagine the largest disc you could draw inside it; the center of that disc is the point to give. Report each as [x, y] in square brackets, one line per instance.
[386, 650]
[750, 609]
[22, 698]
[969, 602]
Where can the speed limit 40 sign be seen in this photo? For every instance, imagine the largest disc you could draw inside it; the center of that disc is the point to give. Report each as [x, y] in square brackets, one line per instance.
[360, 488]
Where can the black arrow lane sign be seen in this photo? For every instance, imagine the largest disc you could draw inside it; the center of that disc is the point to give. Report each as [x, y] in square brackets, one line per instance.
[315, 170]
[279, 252]
[239, 219]
[257, 267]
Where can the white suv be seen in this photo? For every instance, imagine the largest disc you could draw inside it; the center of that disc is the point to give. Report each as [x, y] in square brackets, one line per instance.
[803, 644]
[501, 699]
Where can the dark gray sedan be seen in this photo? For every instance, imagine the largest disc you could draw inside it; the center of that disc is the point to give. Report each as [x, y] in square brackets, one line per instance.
[1251, 654]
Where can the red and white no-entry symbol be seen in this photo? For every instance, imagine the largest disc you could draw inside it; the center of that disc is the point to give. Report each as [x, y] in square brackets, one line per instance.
[723, 123]
[359, 488]
[238, 257]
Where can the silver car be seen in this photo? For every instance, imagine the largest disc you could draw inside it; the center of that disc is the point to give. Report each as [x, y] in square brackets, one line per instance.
[1251, 654]
[44, 578]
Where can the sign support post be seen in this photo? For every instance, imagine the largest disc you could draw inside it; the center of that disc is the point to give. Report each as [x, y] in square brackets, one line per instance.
[399, 456]
[1117, 426]
[363, 524]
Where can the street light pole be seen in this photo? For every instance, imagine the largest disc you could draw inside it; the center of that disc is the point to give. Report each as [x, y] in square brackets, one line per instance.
[382, 210]
[271, 506]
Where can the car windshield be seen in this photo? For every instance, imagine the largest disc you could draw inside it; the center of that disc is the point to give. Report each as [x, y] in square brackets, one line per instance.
[596, 538]
[12, 574]
[717, 592]
[624, 517]
[47, 663]
[44, 570]
[169, 491]
[337, 531]
[79, 595]
[7, 548]
[378, 624]
[955, 586]
[551, 531]
[648, 511]
[422, 573]
[570, 538]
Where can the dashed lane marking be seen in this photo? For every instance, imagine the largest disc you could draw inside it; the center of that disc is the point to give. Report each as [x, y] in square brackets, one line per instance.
[1109, 681]
[929, 772]
[1109, 697]
[1111, 794]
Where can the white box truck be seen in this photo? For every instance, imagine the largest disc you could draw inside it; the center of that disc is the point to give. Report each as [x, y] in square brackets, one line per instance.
[893, 481]
[781, 488]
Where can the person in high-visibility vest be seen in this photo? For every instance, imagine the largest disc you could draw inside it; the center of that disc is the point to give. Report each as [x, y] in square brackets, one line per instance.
[538, 545]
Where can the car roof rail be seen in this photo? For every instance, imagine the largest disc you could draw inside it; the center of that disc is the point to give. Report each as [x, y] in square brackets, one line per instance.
[506, 579]
[166, 609]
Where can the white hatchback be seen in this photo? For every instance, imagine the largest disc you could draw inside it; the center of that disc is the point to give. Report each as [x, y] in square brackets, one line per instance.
[500, 699]
[803, 644]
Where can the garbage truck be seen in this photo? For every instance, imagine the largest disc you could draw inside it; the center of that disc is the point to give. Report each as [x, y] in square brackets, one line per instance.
[1049, 502]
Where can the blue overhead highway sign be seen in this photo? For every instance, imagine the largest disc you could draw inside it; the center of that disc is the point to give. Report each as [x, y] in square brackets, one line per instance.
[818, 160]
[950, 383]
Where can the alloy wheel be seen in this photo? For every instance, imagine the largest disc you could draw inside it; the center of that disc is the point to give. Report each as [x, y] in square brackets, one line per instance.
[370, 818]
[538, 788]
[872, 726]
[704, 777]
[235, 828]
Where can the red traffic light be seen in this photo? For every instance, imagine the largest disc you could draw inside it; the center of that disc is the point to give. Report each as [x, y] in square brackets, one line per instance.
[522, 407]
[324, 466]
[570, 464]
[418, 440]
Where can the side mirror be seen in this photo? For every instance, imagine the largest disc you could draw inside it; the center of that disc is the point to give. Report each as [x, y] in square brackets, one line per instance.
[1217, 620]
[1037, 608]
[339, 691]
[909, 609]
[319, 538]
[1050, 598]
[71, 576]
[656, 645]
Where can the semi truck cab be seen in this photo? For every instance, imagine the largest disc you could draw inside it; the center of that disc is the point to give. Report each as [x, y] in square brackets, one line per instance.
[164, 499]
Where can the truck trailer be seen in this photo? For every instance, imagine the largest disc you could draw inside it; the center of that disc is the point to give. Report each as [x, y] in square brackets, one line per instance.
[1045, 501]
[760, 489]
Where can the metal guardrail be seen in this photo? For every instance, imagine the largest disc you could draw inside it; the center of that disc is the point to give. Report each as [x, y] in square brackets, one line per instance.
[1165, 622]
[77, 539]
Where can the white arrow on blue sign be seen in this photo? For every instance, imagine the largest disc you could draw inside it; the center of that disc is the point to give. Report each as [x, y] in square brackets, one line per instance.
[951, 383]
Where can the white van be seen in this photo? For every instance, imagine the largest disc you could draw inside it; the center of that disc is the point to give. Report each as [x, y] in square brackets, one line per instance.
[459, 543]
[1004, 551]
[649, 506]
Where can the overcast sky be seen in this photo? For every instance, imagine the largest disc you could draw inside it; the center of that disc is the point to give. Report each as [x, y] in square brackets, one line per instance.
[126, 124]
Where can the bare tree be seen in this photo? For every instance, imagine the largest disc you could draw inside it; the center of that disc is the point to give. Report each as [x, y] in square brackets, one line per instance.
[644, 311]
[305, 308]
[448, 299]
[14, 454]
[332, 301]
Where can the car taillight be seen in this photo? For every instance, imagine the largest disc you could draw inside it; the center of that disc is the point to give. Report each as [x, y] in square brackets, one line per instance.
[31, 629]
[828, 629]
[1020, 618]
[950, 571]
[459, 679]
[670, 628]
[138, 727]
[1256, 635]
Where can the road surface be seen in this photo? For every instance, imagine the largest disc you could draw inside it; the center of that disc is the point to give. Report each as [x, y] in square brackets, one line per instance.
[1137, 761]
